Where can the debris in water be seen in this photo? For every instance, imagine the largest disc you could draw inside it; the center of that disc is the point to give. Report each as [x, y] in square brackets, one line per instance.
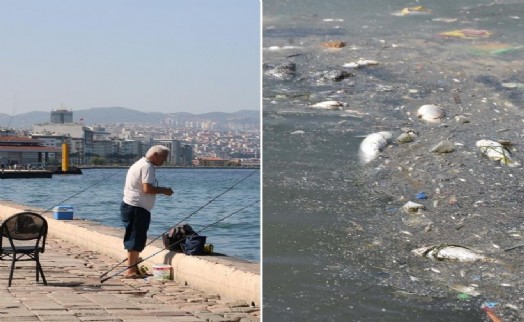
[513, 85]
[411, 207]
[496, 151]
[466, 33]
[421, 195]
[451, 252]
[444, 146]
[373, 144]
[431, 113]
[334, 44]
[330, 105]
[491, 314]
[468, 290]
[408, 11]
[361, 63]
[494, 48]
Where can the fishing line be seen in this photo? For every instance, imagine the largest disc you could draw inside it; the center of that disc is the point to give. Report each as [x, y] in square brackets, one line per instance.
[184, 219]
[102, 280]
[83, 190]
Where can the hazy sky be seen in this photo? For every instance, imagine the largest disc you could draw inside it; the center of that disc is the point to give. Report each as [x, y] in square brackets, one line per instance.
[155, 56]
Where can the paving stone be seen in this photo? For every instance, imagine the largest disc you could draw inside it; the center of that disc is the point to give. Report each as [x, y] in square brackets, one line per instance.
[74, 293]
[53, 318]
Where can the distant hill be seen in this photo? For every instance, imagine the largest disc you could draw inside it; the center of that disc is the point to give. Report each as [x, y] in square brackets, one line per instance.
[111, 115]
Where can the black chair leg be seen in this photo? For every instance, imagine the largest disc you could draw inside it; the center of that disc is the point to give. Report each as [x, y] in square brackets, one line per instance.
[41, 271]
[12, 270]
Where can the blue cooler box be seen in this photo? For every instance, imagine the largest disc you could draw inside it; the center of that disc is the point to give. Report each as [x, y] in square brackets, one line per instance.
[63, 212]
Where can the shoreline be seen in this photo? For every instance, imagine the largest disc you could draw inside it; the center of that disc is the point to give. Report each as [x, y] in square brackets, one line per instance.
[173, 167]
[227, 276]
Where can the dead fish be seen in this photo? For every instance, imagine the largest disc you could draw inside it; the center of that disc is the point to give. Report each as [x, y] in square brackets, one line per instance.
[373, 144]
[496, 151]
[330, 105]
[431, 113]
[451, 252]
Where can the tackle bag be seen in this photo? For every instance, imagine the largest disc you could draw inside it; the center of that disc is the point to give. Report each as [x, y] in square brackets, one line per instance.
[194, 245]
[182, 238]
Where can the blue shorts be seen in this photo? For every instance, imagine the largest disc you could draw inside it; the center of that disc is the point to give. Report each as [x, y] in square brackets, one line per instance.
[136, 221]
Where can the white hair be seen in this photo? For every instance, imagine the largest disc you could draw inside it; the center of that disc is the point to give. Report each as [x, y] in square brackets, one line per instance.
[158, 149]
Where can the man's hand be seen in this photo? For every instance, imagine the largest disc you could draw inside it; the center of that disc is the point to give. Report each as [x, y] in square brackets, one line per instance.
[168, 191]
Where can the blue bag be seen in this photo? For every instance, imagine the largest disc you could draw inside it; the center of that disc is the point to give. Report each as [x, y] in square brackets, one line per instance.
[194, 245]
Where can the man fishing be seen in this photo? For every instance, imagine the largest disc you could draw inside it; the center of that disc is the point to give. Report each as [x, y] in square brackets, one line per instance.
[140, 192]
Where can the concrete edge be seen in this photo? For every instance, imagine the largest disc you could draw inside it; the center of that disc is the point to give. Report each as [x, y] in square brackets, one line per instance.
[229, 277]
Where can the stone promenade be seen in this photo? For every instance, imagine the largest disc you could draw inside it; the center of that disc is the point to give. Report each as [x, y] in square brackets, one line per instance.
[74, 293]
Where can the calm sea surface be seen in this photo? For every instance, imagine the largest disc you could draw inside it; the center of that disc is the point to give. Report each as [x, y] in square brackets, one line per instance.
[314, 205]
[237, 236]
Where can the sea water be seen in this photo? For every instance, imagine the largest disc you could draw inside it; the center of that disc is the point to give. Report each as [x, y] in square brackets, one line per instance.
[315, 208]
[203, 196]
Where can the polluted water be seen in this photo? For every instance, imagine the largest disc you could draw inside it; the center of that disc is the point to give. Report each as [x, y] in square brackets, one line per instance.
[339, 245]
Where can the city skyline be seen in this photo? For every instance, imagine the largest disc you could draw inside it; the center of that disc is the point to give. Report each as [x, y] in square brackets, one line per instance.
[159, 56]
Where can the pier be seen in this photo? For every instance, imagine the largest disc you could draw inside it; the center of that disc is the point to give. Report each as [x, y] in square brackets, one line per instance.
[203, 288]
[25, 174]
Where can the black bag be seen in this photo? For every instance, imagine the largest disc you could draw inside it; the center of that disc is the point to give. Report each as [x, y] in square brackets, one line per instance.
[176, 236]
[194, 245]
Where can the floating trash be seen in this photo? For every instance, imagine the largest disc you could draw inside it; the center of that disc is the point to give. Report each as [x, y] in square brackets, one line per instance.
[409, 11]
[283, 71]
[446, 20]
[297, 132]
[496, 151]
[513, 85]
[444, 146]
[330, 105]
[334, 44]
[406, 137]
[361, 63]
[412, 207]
[373, 144]
[421, 195]
[466, 33]
[494, 48]
[451, 252]
[431, 113]
[468, 290]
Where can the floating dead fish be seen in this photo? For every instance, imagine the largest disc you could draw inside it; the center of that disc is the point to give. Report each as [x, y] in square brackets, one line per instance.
[373, 144]
[431, 113]
[466, 33]
[446, 20]
[418, 10]
[297, 132]
[330, 105]
[451, 252]
[361, 63]
[496, 151]
[412, 207]
[512, 85]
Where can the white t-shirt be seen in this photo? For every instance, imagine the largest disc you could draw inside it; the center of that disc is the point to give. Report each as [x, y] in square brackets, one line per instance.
[139, 173]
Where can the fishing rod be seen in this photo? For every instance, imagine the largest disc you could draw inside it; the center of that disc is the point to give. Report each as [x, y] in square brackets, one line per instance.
[184, 219]
[102, 280]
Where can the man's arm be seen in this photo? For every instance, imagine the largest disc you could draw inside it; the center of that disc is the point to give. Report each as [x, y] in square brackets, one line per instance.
[151, 189]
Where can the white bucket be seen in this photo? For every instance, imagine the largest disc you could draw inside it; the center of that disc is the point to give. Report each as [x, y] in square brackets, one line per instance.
[162, 272]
